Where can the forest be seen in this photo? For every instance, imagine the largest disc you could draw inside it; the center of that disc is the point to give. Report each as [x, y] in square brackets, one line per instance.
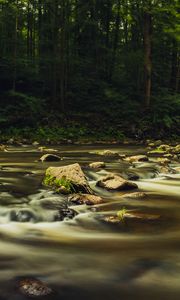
[98, 68]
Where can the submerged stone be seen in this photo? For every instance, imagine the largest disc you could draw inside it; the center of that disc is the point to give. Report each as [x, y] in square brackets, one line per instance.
[33, 287]
[85, 199]
[65, 214]
[50, 157]
[23, 216]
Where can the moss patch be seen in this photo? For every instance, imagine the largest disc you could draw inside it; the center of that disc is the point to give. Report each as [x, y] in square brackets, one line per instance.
[57, 184]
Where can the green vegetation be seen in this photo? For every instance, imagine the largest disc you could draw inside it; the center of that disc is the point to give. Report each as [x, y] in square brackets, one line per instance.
[58, 183]
[121, 214]
[89, 69]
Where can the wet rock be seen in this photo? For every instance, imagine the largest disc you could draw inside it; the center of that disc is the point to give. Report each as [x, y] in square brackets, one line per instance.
[156, 152]
[163, 161]
[23, 216]
[97, 165]
[52, 203]
[35, 143]
[169, 155]
[34, 288]
[85, 199]
[176, 149]
[136, 195]
[132, 176]
[122, 156]
[115, 182]
[3, 148]
[151, 145]
[134, 217]
[165, 170]
[109, 153]
[137, 158]
[157, 143]
[47, 150]
[70, 177]
[50, 157]
[165, 147]
[65, 214]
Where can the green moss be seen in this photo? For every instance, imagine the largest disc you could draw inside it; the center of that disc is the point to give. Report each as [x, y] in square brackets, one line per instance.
[121, 214]
[49, 180]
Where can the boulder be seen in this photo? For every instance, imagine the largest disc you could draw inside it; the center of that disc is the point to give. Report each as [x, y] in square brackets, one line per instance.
[137, 158]
[85, 199]
[34, 288]
[115, 182]
[71, 178]
[97, 165]
[50, 157]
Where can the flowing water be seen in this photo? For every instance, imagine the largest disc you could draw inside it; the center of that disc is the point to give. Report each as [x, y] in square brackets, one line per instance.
[85, 258]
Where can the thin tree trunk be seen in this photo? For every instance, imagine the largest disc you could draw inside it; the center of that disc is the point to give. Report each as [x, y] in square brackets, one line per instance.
[147, 58]
[15, 50]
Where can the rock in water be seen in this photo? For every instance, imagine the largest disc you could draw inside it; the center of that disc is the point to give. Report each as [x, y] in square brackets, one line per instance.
[115, 182]
[65, 214]
[136, 195]
[85, 199]
[33, 287]
[69, 177]
[50, 157]
[97, 165]
[137, 158]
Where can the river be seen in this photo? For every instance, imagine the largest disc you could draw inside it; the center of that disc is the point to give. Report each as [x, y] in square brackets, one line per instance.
[85, 258]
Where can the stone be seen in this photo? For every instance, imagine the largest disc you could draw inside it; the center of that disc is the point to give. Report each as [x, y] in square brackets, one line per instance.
[65, 214]
[47, 150]
[3, 148]
[136, 195]
[22, 215]
[35, 143]
[71, 177]
[132, 176]
[137, 158]
[156, 152]
[85, 199]
[115, 182]
[164, 147]
[135, 217]
[34, 288]
[50, 157]
[97, 165]
[176, 149]
[163, 161]
[109, 153]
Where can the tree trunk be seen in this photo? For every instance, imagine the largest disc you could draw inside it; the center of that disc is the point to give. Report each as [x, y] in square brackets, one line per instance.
[15, 50]
[147, 58]
[174, 66]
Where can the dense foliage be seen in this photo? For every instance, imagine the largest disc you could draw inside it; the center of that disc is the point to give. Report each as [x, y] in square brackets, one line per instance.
[112, 66]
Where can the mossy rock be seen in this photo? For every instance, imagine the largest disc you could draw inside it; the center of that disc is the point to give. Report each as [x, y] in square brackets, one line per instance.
[67, 179]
